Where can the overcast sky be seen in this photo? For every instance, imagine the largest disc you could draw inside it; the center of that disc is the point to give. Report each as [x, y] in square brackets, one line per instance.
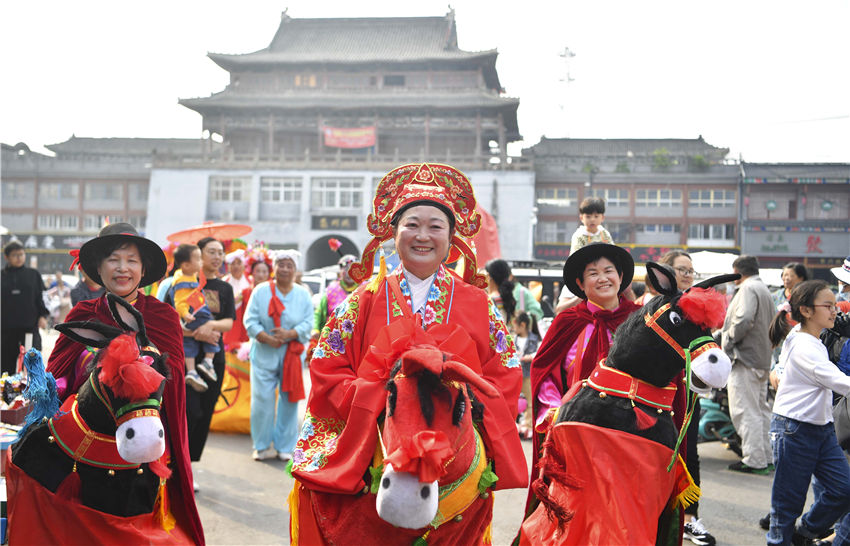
[768, 79]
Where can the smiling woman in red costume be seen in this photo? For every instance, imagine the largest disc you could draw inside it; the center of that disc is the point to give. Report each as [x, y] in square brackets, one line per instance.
[425, 209]
[123, 262]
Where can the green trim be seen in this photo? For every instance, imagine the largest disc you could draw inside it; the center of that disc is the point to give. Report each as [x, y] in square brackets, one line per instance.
[446, 490]
[150, 402]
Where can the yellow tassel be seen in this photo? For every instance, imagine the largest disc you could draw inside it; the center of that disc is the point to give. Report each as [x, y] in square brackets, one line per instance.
[163, 512]
[375, 283]
[488, 535]
[293, 515]
[689, 494]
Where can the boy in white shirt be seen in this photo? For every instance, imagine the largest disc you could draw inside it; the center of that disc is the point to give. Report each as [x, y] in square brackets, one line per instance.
[592, 214]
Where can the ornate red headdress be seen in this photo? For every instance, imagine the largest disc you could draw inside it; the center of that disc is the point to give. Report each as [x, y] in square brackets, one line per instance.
[704, 307]
[441, 184]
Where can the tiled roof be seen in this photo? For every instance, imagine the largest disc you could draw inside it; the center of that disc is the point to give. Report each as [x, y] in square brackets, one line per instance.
[789, 171]
[625, 147]
[128, 146]
[365, 39]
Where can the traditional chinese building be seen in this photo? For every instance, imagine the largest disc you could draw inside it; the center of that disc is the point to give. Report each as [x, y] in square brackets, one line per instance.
[659, 194]
[309, 125]
[796, 212]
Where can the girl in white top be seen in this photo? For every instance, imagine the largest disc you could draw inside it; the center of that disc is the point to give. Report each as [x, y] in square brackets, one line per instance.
[801, 431]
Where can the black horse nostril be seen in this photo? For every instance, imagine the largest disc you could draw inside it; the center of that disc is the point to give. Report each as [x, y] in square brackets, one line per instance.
[130, 433]
[385, 483]
[426, 492]
[161, 433]
[712, 358]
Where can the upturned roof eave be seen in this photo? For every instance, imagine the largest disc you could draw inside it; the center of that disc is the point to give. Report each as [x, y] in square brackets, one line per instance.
[264, 58]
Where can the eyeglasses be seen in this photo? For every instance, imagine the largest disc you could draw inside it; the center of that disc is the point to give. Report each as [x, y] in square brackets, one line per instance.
[685, 272]
[830, 307]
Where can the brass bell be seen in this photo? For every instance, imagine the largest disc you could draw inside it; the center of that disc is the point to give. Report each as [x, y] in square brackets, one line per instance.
[365, 489]
[140, 470]
[44, 419]
[51, 439]
[602, 395]
[484, 495]
[111, 472]
[459, 517]
[660, 411]
[672, 413]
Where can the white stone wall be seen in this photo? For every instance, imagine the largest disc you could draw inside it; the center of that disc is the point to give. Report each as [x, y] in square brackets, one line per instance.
[178, 199]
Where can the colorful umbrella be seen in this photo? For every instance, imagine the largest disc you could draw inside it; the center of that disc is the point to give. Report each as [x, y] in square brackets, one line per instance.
[221, 231]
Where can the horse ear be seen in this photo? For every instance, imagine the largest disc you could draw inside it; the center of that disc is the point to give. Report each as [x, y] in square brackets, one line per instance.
[455, 371]
[714, 281]
[661, 278]
[125, 315]
[89, 333]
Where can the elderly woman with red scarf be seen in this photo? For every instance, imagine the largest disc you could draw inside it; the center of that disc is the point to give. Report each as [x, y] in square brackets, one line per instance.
[278, 318]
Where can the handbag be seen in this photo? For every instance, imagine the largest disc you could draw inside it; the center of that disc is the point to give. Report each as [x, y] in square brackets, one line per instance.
[841, 417]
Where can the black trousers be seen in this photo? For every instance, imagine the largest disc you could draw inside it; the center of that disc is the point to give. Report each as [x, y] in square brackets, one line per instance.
[693, 456]
[12, 339]
[200, 407]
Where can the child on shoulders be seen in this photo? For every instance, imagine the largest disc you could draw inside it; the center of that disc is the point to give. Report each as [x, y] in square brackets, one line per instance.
[591, 214]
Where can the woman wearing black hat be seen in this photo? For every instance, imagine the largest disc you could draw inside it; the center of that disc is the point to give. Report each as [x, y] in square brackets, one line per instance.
[122, 262]
[578, 337]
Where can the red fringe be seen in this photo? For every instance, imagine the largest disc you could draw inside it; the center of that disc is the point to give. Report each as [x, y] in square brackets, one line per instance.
[704, 307]
[70, 488]
[644, 420]
[123, 372]
[554, 511]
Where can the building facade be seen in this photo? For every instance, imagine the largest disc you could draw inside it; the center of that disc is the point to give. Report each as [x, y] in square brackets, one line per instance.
[794, 212]
[309, 125]
[54, 204]
[659, 194]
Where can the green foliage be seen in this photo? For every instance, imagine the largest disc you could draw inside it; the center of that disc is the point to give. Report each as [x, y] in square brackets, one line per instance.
[589, 168]
[622, 167]
[699, 164]
[661, 160]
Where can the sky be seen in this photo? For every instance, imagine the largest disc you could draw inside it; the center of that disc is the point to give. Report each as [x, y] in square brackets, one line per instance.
[767, 79]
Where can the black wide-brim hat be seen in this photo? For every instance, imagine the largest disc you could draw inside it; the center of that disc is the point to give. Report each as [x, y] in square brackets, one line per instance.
[153, 257]
[578, 260]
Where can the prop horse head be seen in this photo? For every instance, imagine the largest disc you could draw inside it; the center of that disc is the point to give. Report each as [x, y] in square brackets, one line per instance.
[94, 447]
[434, 458]
[673, 333]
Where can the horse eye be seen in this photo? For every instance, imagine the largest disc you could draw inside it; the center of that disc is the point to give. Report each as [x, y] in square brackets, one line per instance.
[385, 483]
[130, 433]
[425, 492]
[675, 318]
[161, 433]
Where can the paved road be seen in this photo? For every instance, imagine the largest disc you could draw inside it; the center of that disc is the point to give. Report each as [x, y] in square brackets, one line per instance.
[243, 501]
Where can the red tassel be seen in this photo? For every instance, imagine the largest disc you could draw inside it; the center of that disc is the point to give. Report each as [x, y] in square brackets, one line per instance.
[554, 511]
[644, 421]
[71, 487]
[160, 469]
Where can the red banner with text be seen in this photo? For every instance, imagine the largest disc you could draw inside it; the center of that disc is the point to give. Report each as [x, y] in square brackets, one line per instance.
[349, 137]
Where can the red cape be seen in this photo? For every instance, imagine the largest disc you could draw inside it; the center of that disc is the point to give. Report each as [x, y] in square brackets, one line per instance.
[164, 331]
[562, 335]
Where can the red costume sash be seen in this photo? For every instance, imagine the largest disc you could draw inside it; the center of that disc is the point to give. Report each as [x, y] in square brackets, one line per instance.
[616, 383]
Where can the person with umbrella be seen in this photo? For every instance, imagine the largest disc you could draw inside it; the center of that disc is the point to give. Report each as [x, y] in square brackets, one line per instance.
[123, 262]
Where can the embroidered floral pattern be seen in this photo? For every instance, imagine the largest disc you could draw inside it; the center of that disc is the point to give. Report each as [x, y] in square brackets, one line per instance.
[339, 329]
[500, 340]
[436, 304]
[317, 441]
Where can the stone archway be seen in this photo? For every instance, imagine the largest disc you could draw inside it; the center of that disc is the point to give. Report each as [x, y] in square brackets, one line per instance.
[320, 254]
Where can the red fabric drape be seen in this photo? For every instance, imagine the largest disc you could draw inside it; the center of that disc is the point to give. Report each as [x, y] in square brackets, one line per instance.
[291, 380]
[276, 307]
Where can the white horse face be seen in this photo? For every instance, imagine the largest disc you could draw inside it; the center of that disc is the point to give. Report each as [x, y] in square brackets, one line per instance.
[710, 370]
[141, 440]
[406, 502]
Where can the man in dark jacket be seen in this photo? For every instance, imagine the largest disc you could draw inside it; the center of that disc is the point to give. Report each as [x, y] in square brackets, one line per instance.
[23, 309]
[86, 289]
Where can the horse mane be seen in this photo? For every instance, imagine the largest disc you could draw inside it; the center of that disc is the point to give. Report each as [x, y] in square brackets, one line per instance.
[427, 384]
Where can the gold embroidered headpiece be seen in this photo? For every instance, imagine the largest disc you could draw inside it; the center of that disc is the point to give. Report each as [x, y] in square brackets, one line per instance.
[441, 184]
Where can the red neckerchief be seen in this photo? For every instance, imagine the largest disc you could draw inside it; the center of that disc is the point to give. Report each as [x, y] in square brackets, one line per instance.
[276, 307]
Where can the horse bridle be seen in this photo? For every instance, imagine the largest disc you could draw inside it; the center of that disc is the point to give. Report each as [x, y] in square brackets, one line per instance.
[131, 410]
[693, 350]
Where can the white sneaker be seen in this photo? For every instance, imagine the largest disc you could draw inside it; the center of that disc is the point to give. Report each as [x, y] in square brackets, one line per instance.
[194, 380]
[207, 370]
[195, 486]
[285, 457]
[268, 453]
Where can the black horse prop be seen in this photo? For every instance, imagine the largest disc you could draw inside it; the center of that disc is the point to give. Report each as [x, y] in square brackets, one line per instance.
[609, 473]
[105, 447]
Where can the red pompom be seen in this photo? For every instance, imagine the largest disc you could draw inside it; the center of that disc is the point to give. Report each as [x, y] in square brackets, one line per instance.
[125, 373]
[704, 307]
